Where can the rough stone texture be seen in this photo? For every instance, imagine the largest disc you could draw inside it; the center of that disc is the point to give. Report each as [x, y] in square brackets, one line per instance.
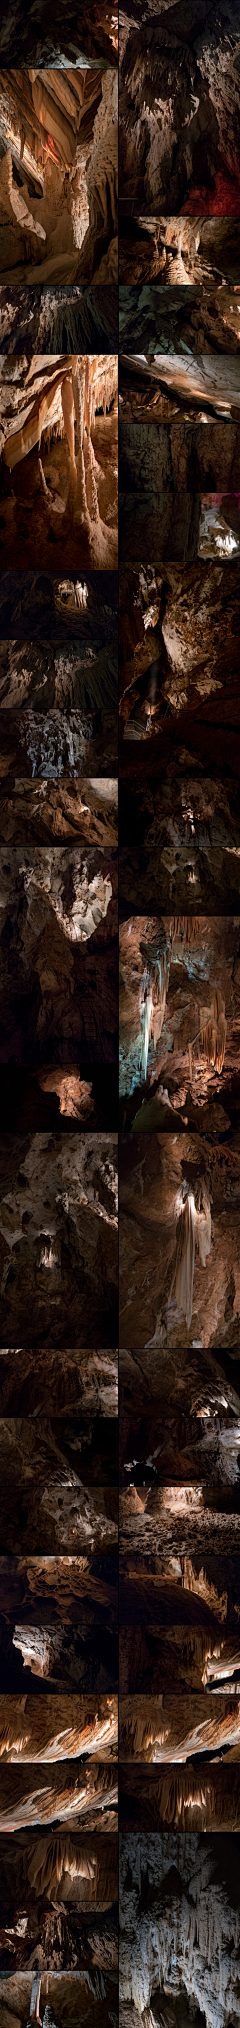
[53, 1874]
[76, 512]
[58, 212]
[27, 598]
[181, 254]
[58, 1239]
[61, 318]
[46, 1502]
[56, 1593]
[85, 809]
[59, 1100]
[180, 319]
[85, 1383]
[180, 963]
[189, 1886]
[179, 110]
[65, 1996]
[59, 1729]
[180, 1593]
[85, 1796]
[149, 522]
[170, 1728]
[153, 1172]
[59, 38]
[56, 997]
[185, 621]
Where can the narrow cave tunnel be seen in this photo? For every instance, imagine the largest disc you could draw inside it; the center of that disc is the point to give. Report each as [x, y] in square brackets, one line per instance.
[58, 175]
[58, 472]
[198, 254]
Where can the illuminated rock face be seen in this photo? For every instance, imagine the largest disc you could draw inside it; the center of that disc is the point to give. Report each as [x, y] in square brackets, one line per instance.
[63, 399]
[190, 1005]
[150, 1173]
[178, 128]
[181, 1940]
[59, 1236]
[64, 128]
[62, 1511]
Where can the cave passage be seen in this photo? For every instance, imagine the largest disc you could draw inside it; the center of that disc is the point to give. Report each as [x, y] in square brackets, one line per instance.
[69, 497]
[58, 175]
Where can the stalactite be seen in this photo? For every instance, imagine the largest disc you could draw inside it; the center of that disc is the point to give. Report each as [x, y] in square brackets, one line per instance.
[193, 1230]
[213, 1031]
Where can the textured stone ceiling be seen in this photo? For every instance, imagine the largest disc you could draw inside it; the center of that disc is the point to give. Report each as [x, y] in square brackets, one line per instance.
[156, 1176]
[59, 1238]
[179, 110]
[170, 970]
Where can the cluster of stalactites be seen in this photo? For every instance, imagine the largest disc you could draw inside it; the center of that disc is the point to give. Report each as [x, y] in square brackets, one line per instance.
[185, 926]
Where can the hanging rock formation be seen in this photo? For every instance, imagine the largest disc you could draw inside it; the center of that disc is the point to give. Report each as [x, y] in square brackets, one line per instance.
[58, 1238]
[61, 224]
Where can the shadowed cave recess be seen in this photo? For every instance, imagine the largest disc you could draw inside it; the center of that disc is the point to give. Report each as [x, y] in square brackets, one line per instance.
[67, 500]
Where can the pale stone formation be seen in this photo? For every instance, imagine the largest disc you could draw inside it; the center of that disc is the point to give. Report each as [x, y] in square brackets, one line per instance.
[188, 1938]
[65, 124]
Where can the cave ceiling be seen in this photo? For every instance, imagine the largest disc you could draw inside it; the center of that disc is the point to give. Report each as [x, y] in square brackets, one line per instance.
[62, 489]
[178, 254]
[59, 1238]
[179, 110]
[58, 175]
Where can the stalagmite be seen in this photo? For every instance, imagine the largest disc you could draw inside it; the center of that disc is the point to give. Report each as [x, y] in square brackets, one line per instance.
[146, 1017]
[182, 1283]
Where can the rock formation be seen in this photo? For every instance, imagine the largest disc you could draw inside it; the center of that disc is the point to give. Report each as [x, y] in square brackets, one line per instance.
[85, 1383]
[58, 1239]
[62, 318]
[58, 175]
[54, 901]
[179, 110]
[63, 38]
[157, 957]
[179, 1912]
[62, 1512]
[158, 1175]
[179, 700]
[63, 1996]
[68, 498]
[199, 254]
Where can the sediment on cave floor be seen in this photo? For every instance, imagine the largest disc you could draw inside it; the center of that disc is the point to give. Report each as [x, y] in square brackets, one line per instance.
[179, 1273]
[188, 1885]
[58, 997]
[60, 1382]
[53, 319]
[58, 175]
[197, 254]
[63, 493]
[179, 112]
[179, 1036]
[59, 1254]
